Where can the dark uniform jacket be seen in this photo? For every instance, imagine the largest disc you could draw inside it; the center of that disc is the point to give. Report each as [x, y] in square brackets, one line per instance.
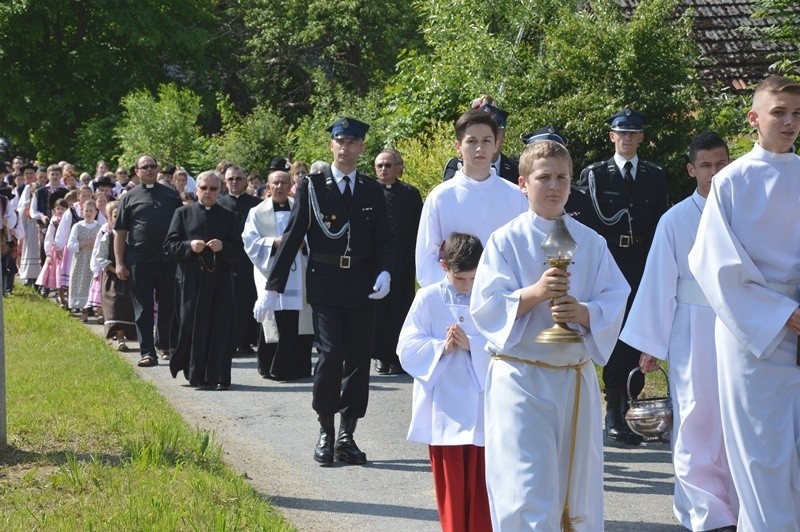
[327, 282]
[509, 168]
[646, 203]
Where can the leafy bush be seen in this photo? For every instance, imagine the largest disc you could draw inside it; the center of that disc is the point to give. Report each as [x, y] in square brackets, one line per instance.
[164, 126]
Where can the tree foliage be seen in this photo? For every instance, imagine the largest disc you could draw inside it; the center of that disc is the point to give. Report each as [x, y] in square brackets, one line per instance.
[164, 126]
[66, 63]
[300, 48]
[785, 32]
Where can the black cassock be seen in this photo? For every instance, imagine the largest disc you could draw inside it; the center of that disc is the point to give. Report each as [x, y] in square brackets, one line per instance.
[404, 207]
[245, 327]
[205, 288]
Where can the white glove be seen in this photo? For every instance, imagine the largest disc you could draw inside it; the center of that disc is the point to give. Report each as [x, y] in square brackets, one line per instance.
[381, 287]
[265, 306]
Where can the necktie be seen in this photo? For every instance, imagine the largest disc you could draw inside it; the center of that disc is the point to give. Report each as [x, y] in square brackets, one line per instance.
[628, 175]
[347, 195]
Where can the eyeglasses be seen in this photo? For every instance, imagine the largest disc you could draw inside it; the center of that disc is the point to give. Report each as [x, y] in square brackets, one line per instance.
[148, 166]
[204, 188]
[237, 178]
[384, 165]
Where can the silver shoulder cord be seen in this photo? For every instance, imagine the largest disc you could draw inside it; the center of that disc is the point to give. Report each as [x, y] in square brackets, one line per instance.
[313, 205]
[607, 220]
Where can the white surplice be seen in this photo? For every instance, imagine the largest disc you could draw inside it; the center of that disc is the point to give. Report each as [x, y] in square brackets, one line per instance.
[747, 262]
[447, 404]
[670, 321]
[262, 227]
[529, 408]
[463, 205]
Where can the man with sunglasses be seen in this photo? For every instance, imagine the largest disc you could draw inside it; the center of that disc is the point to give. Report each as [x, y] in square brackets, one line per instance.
[237, 200]
[145, 213]
[404, 207]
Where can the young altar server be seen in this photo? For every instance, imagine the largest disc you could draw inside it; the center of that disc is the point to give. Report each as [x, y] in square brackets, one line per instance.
[475, 201]
[671, 320]
[746, 260]
[440, 347]
[544, 441]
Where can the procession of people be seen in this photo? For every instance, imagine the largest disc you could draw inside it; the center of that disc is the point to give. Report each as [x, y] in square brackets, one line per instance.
[319, 278]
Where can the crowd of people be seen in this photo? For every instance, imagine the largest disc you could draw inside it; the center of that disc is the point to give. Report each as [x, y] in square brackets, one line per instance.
[512, 421]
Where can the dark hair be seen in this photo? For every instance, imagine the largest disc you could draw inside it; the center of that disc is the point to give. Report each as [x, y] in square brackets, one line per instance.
[462, 251]
[472, 117]
[707, 140]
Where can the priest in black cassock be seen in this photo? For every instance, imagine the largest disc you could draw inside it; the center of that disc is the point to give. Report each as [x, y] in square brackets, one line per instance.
[404, 207]
[245, 327]
[205, 240]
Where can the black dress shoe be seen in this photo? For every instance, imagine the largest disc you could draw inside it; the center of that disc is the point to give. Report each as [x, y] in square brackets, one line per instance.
[221, 387]
[323, 453]
[347, 451]
[241, 351]
[382, 368]
[395, 369]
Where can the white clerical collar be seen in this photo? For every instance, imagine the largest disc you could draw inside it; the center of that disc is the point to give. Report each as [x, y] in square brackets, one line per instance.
[151, 185]
[207, 207]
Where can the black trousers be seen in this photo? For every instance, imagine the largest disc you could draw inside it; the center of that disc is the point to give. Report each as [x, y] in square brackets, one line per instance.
[291, 356]
[622, 360]
[154, 282]
[341, 376]
[244, 326]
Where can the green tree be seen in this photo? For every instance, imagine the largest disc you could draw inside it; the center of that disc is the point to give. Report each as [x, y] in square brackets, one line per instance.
[164, 126]
[784, 30]
[250, 140]
[300, 48]
[66, 63]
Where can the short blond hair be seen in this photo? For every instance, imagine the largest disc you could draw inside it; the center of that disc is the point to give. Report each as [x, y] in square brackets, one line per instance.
[542, 150]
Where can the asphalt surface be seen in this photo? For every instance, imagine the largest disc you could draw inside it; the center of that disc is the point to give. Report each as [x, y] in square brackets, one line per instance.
[268, 431]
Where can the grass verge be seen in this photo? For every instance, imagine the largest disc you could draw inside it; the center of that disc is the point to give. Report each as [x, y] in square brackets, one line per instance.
[92, 447]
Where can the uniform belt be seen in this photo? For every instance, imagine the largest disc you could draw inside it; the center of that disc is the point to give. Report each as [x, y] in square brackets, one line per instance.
[626, 241]
[342, 261]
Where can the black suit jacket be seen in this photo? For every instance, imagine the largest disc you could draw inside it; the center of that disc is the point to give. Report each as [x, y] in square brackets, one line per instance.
[509, 168]
[646, 203]
[370, 241]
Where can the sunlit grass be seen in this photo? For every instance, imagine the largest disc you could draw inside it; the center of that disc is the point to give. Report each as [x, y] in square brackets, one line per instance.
[92, 447]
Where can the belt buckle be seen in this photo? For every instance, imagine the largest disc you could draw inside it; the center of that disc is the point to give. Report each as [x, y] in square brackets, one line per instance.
[625, 241]
[344, 262]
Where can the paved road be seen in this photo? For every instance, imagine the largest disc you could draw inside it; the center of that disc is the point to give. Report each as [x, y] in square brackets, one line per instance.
[268, 432]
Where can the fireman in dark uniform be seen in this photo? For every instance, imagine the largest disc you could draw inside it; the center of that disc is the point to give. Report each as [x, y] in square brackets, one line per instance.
[629, 195]
[342, 214]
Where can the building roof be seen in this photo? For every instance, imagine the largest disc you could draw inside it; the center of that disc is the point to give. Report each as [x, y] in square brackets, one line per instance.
[730, 55]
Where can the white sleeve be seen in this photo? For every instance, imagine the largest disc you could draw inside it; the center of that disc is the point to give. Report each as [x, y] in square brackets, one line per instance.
[73, 244]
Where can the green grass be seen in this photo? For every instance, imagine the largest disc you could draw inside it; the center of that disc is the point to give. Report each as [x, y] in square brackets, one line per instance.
[92, 447]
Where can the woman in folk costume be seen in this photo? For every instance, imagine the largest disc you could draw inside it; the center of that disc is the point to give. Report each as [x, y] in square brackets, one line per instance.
[81, 242]
[50, 276]
[116, 297]
[72, 216]
[440, 347]
[544, 448]
[95, 301]
[284, 351]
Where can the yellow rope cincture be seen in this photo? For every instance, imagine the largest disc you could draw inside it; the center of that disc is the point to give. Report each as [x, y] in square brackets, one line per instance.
[567, 521]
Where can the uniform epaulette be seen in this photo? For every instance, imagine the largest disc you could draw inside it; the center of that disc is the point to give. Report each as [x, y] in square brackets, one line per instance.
[654, 165]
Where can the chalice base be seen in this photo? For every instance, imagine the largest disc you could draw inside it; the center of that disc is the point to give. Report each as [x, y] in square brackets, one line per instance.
[560, 333]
